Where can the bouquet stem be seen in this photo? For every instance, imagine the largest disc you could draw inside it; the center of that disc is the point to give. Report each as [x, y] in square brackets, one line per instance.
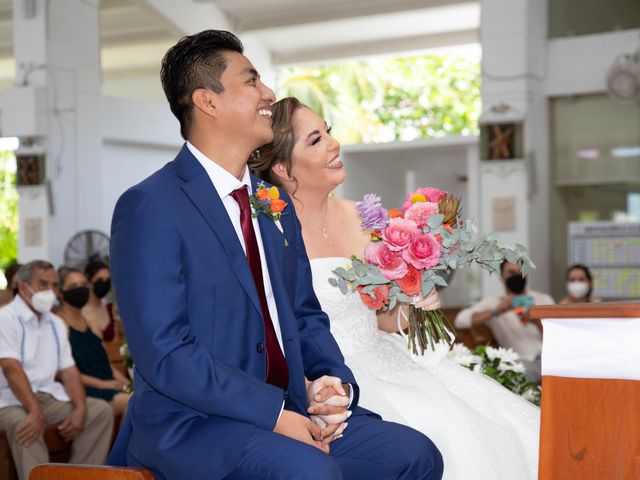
[427, 328]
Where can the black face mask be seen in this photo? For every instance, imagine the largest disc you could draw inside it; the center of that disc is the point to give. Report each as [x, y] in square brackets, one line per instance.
[101, 288]
[516, 283]
[76, 297]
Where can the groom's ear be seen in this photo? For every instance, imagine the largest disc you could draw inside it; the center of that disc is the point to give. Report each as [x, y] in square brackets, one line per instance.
[280, 171]
[204, 101]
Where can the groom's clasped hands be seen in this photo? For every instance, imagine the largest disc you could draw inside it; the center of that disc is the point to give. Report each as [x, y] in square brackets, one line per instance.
[328, 402]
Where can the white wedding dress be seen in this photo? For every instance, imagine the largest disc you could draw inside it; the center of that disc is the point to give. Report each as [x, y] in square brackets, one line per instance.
[482, 429]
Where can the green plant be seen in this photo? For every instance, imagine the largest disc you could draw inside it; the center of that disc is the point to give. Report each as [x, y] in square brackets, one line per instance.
[8, 210]
[386, 99]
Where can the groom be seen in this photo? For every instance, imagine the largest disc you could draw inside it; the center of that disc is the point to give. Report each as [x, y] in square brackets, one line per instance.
[219, 309]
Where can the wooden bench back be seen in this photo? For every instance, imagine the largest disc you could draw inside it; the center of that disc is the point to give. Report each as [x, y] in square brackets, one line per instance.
[54, 471]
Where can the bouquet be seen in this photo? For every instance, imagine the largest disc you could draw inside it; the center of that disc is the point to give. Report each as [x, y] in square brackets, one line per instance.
[501, 364]
[128, 363]
[411, 251]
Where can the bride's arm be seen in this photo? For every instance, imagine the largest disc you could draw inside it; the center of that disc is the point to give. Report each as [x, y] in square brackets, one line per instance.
[388, 321]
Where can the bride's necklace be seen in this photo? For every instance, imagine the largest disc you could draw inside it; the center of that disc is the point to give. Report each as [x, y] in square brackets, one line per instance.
[323, 229]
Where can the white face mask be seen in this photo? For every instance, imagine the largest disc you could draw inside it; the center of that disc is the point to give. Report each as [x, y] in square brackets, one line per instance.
[42, 301]
[577, 289]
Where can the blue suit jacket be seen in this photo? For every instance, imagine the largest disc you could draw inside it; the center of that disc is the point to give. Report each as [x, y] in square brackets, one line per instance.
[193, 323]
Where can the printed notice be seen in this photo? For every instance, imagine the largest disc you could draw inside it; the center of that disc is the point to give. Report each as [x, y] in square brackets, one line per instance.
[503, 213]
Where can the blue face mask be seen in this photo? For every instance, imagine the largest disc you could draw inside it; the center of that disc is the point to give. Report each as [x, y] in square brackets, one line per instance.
[524, 301]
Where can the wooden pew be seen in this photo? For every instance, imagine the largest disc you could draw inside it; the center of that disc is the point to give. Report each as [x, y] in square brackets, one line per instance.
[52, 471]
[115, 358]
[590, 424]
[470, 337]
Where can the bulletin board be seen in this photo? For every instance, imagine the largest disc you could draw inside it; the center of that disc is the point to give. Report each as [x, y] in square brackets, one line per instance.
[612, 251]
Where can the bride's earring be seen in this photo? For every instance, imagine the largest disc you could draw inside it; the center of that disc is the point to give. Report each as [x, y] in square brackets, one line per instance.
[255, 155]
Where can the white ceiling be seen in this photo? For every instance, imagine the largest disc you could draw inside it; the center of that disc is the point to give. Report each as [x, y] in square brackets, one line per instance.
[136, 33]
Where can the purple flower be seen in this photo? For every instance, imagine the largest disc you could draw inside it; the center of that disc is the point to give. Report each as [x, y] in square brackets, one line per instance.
[373, 214]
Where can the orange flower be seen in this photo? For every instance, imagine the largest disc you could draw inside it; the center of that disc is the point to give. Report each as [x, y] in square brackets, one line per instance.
[262, 194]
[277, 205]
[380, 293]
[395, 213]
[411, 283]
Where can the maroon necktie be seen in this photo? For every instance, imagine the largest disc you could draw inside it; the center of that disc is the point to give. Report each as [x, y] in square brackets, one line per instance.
[277, 370]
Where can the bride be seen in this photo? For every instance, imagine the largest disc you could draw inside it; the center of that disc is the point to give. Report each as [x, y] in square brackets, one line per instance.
[482, 429]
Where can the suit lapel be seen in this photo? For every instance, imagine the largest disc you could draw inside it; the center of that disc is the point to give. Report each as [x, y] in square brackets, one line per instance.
[202, 193]
[273, 242]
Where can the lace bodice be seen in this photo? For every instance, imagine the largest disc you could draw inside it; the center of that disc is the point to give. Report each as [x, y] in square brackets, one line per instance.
[353, 325]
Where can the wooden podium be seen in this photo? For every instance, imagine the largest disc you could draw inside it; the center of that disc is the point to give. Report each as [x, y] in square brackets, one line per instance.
[590, 424]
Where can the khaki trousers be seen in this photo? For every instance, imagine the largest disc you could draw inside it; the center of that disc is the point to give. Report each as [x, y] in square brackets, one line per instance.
[90, 447]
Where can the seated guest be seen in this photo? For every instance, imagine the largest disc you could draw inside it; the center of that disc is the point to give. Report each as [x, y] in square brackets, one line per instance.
[6, 295]
[34, 351]
[100, 315]
[100, 379]
[579, 285]
[506, 317]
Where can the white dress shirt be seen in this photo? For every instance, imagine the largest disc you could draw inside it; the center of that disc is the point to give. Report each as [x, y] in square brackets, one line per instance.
[225, 183]
[506, 327]
[41, 346]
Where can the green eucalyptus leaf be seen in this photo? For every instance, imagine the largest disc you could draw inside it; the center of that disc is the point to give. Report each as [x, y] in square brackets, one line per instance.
[435, 221]
[438, 280]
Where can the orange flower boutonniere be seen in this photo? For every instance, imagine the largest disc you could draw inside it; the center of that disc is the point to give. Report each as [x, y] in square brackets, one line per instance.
[267, 200]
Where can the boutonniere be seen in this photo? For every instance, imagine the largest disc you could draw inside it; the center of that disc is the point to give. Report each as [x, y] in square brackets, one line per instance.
[267, 201]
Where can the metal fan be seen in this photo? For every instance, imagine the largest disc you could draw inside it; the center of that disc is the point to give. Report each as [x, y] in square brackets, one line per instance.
[623, 78]
[85, 247]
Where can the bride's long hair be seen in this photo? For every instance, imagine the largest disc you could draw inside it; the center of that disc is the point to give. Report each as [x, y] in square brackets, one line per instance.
[281, 147]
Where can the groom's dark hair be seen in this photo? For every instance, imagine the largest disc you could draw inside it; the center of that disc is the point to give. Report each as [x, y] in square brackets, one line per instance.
[196, 61]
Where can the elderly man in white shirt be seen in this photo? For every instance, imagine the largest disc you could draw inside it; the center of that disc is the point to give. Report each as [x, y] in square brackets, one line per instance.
[34, 348]
[506, 317]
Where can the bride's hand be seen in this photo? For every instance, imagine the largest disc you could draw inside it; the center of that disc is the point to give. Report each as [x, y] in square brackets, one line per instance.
[328, 400]
[430, 302]
[315, 394]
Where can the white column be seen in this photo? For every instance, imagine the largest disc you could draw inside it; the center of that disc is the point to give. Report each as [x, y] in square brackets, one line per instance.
[57, 50]
[514, 53]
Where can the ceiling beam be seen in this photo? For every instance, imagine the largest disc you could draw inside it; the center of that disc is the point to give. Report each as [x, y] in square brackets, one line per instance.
[321, 12]
[185, 17]
[376, 47]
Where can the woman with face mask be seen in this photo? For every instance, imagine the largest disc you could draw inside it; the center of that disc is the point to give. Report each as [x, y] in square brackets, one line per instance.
[100, 314]
[99, 378]
[579, 285]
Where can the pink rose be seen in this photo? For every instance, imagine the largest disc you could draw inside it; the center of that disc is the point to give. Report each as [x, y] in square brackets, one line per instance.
[420, 212]
[389, 263]
[399, 233]
[371, 252]
[381, 294]
[429, 194]
[424, 252]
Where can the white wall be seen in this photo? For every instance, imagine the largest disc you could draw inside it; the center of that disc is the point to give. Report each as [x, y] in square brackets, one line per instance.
[124, 165]
[578, 65]
[138, 139]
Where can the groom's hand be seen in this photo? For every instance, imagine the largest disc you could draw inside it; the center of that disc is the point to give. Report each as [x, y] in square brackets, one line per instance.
[329, 399]
[293, 425]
